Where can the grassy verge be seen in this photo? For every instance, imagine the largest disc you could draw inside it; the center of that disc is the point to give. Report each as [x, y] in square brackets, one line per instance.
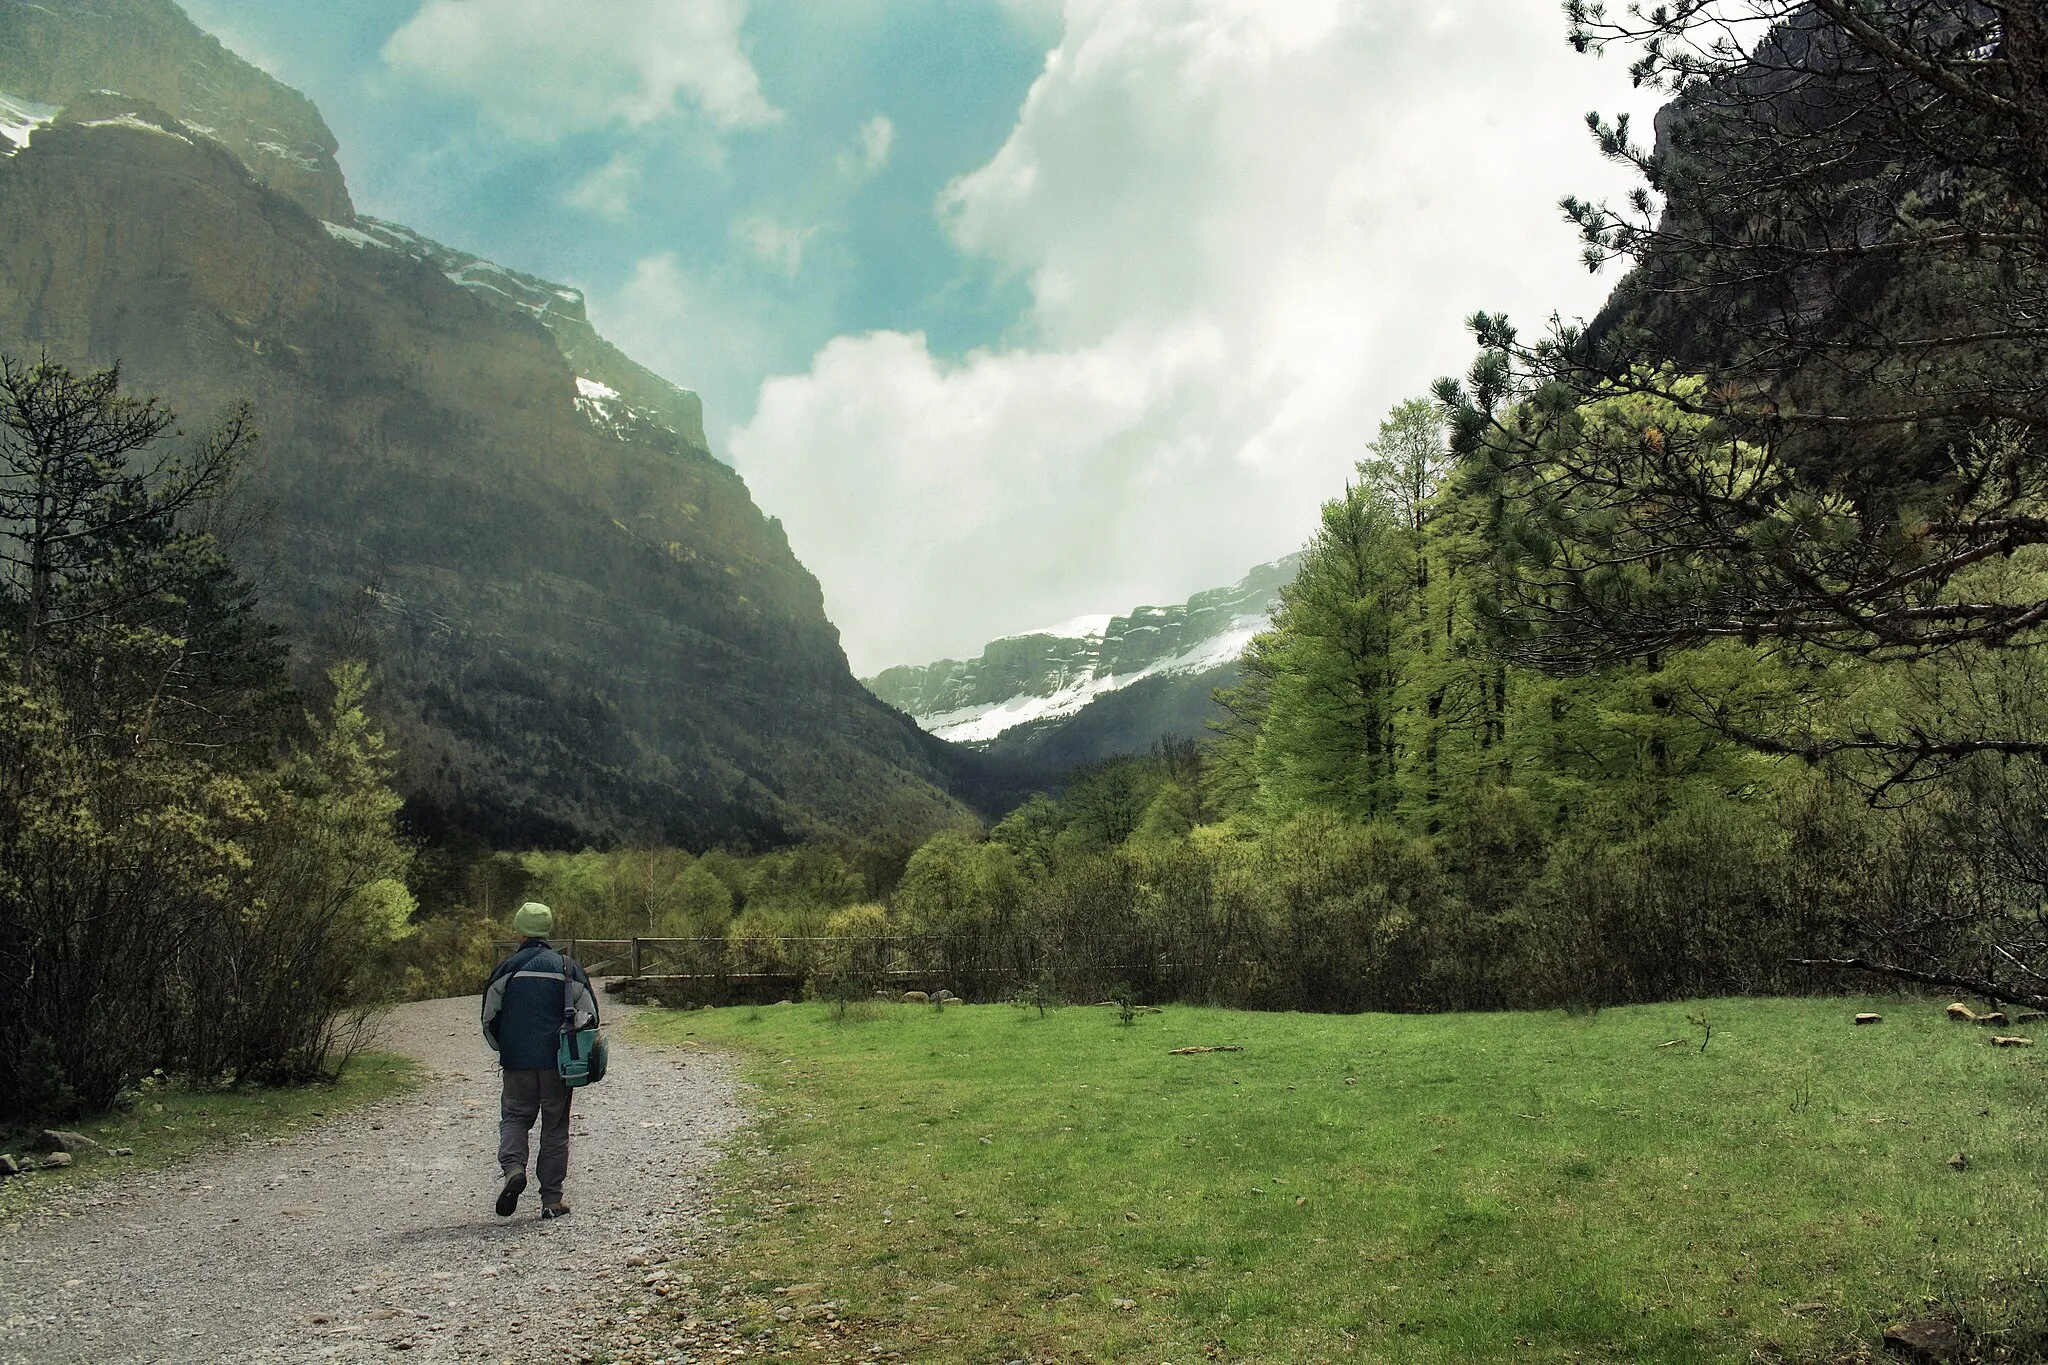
[990, 1185]
[171, 1124]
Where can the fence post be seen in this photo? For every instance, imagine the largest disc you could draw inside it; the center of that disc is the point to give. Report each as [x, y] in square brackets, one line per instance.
[636, 957]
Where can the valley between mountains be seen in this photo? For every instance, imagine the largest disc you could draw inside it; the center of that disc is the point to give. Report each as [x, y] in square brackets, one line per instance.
[584, 628]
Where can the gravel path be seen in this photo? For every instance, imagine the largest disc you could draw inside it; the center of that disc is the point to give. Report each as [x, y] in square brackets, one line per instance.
[373, 1233]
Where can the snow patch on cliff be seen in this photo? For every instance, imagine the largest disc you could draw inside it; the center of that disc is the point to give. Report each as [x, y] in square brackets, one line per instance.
[980, 724]
[19, 120]
[362, 241]
[140, 125]
[607, 409]
[1090, 627]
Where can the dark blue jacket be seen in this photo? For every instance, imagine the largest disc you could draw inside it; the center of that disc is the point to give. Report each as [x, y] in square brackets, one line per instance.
[524, 1002]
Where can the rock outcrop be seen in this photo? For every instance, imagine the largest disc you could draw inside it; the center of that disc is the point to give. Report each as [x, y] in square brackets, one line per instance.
[56, 54]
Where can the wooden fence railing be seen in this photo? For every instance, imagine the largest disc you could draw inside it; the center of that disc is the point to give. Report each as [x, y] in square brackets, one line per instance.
[1154, 967]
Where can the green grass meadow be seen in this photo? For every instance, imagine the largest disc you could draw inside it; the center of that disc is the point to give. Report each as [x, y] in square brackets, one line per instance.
[988, 1184]
[174, 1123]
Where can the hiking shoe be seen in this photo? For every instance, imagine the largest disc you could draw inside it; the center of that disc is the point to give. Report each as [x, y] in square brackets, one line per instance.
[558, 1209]
[508, 1196]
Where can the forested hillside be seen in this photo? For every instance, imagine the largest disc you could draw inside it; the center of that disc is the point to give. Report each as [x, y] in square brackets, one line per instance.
[1694, 651]
[580, 626]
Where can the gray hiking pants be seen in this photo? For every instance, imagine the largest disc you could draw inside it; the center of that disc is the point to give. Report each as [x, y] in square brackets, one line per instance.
[531, 1094]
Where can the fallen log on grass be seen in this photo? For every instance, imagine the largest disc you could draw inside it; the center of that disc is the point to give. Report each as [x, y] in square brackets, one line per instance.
[1191, 1051]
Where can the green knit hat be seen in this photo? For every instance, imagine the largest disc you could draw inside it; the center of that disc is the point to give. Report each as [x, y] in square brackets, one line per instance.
[534, 920]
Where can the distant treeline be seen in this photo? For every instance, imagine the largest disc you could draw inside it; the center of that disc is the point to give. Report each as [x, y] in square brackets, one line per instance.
[1398, 815]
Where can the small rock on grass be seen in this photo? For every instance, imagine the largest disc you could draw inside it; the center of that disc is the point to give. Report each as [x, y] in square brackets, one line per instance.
[1960, 1161]
[60, 1140]
[9, 1166]
[56, 1161]
[1928, 1341]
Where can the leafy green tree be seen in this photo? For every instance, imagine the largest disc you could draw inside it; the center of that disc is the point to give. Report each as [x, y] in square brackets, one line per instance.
[1818, 397]
[192, 876]
[105, 527]
[1328, 671]
[281, 987]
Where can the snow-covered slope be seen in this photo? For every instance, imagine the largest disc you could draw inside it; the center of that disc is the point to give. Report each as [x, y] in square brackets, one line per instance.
[1039, 679]
[19, 120]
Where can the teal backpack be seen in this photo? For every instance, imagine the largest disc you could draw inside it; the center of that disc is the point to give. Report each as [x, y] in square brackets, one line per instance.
[580, 1053]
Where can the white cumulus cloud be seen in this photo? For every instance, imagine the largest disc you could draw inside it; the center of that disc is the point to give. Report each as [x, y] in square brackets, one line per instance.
[545, 68]
[608, 191]
[1249, 226]
[877, 138]
[777, 245]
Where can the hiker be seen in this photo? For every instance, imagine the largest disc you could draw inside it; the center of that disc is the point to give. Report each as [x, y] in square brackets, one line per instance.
[523, 1014]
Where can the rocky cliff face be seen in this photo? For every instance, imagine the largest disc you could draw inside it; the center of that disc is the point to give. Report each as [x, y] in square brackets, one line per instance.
[586, 630]
[1096, 687]
[555, 307]
[57, 53]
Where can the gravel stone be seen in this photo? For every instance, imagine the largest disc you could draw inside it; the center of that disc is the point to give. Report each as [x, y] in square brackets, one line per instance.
[373, 1232]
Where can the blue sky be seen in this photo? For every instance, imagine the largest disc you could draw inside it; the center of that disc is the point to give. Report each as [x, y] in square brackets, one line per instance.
[860, 247]
[1012, 310]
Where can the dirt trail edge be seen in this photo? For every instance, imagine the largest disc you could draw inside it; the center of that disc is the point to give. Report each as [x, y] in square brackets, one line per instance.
[373, 1232]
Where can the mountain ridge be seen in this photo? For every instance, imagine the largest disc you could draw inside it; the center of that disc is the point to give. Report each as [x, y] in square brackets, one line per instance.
[585, 630]
[1152, 668]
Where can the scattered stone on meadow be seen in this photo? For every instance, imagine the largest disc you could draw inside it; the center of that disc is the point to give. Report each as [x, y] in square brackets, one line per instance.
[61, 1140]
[1962, 1013]
[56, 1161]
[1351, 1080]
[1960, 1161]
[1931, 1340]
[8, 1166]
[916, 998]
[2008, 1040]
[1870, 1018]
[124, 1151]
[1995, 1019]
[1123, 1305]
